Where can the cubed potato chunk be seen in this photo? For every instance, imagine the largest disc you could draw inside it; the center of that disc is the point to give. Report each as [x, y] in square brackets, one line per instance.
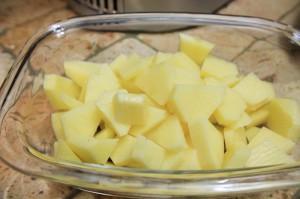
[55, 86]
[122, 153]
[147, 154]
[284, 117]
[105, 133]
[242, 122]
[80, 71]
[251, 132]
[266, 134]
[63, 152]
[68, 101]
[130, 108]
[119, 62]
[81, 121]
[186, 159]
[258, 117]
[105, 105]
[57, 126]
[130, 86]
[208, 142]
[218, 68]
[169, 134]
[268, 153]
[254, 91]
[104, 80]
[237, 158]
[193, 101]
[196, 49]
[154, 117]
[234, 140]
[92, 150]
[231, 109]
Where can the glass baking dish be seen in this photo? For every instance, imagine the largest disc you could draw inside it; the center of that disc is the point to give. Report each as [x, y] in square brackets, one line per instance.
[267, 48]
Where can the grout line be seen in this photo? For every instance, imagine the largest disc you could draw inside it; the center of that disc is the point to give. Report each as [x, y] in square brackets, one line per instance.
[288, 12]
[244, 50]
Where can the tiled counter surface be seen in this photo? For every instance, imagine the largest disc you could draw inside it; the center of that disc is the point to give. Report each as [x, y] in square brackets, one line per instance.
[19, 19]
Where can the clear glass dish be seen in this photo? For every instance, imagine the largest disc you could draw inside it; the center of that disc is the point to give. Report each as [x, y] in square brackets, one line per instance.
[268, 48]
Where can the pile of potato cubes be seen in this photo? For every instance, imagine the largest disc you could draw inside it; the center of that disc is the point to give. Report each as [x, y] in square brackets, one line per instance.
[187, 110]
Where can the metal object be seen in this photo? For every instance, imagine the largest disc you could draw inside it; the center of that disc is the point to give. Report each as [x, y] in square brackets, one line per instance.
[87, 7]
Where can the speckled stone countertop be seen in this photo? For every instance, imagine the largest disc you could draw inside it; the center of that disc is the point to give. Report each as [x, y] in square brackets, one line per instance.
[19, 19]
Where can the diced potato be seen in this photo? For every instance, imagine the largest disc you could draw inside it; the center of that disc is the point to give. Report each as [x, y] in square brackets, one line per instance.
[161, 57]
[63, 152]
[130, 108]
[122, 153]
[234, 140]
[259, 117]
[79, 71]
[105, 105]
[119, 62]
[230, 81]
[252, 132]
[169, 134]
[157, 82]
[92, 150]
[55, 86]
[147, 154]
[237, 158]
[57, 126]
[218, 68]
[105, 133]
[130, 86]
[254, 91]
[213, 82]
[242, 122]
[69, 102]
[133, 66]
[190, 161]
[208, 142]
[231, 109]
[268, 153]
[192, 101]
[81, 121]
[105, 80]
[196, 49]
[155, 116]
[266, 134]
[284, 117]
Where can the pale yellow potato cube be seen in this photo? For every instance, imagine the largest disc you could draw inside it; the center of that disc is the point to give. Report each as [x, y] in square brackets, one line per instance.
[147, 154]
[119, 62]
[92, 150]
[266, 134]
[237, 158]
[105, 105]
[259, 117]
[172, 160]
[79, 71]
[196, 49]
[155, 116]
[130, 108]
[55, 86]
[193, 101]
[133, 66]
[157, 82]
[251, 132]
[268, 153]
[161, 57]
[81, 121]
[69, 102]
[63, 152]
[230, 81]
[231, 109]
[242, 122]
[105, 133]
[122, 153]
[284, 117]
[189, 161]
[218, 68]
[254, 91]
[57, 126]
[234, 140]
[169, 134]
[208, 142]
[130, 86]
[105, 80]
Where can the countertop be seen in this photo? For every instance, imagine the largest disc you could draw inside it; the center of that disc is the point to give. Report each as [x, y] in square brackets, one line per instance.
[19, 19]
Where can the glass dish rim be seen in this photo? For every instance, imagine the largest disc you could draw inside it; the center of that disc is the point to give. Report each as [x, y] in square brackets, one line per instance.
[106, 22]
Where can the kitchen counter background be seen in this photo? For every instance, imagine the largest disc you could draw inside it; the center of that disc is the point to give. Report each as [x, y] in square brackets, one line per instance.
[19, 19]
